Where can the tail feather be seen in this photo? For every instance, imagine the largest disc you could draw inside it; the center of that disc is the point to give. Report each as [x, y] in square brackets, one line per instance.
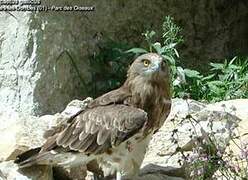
[26, 155]
[53, 157]
[32, 157]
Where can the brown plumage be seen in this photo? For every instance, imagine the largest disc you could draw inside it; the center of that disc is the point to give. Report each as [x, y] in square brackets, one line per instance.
[114, 127]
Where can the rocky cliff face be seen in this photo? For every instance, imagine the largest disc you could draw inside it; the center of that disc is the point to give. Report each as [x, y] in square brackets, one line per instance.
[212, 29]
[44, 56]
[17, 76]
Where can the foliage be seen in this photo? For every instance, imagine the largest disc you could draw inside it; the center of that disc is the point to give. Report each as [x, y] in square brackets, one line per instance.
[167, 48]
[108, 68]
[224, 81]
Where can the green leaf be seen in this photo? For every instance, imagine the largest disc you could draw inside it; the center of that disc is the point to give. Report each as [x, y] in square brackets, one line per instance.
[152, 33]
[136, 51]
[192, 73]
[208, 77]
[233, 59]
[176, 52]
[157, 47]
[149, 35]
[170, 46]
[216, 83]
[217, 66]
[170, 59]
[234, 67]
[181, 74]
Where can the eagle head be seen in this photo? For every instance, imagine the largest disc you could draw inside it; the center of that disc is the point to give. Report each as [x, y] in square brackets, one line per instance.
[150, 66]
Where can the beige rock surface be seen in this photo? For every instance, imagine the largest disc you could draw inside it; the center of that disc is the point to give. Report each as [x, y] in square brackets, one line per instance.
[10, 171]
[237, 107]
[19, 133]
[206, 119]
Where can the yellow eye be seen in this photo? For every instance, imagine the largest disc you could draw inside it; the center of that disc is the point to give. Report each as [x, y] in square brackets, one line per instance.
[146, 63]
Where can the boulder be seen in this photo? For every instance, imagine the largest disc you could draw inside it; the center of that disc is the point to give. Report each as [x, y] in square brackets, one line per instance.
[157, 172]
[10, 171]
[181, 108]
[188, 130]
[20, 133]
[237, 107]
[236, 154]
[153, 172]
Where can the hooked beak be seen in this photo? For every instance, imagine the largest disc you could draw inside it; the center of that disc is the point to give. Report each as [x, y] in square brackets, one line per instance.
[156, 67]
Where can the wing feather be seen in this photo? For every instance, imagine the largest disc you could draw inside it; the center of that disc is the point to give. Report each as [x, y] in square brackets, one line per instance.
[87, 142]
[88, 126]
[100, 128]
[94, 128]
[82, 135]
[64, 136]
[112, 97]
[102, 136]
[76, 144]
[77, 130]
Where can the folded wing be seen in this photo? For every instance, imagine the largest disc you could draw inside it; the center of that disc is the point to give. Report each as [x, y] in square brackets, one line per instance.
[100, 128]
